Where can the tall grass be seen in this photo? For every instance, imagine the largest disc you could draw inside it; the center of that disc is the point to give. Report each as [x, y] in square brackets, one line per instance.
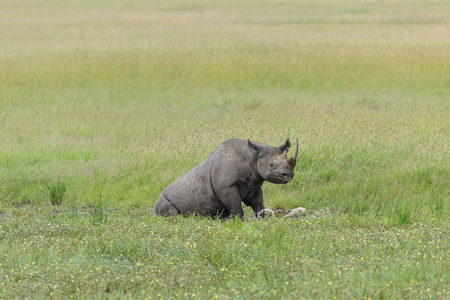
[55, 192]
[364, 88]
[371, 111]
[119, 99]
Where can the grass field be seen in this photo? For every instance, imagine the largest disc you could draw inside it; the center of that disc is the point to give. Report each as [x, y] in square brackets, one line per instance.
[103, 104]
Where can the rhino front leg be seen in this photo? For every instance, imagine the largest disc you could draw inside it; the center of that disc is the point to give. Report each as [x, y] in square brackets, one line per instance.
[231, 199]
[257, 204]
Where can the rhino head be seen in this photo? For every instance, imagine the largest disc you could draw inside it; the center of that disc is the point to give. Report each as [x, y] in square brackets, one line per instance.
[272, 163]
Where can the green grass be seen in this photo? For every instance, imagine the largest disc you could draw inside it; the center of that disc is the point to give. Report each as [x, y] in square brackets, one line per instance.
[103, 104]
[132, 255]
[55, 192]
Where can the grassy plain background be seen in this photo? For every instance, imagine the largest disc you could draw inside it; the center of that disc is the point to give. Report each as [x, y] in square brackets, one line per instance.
[116, 99]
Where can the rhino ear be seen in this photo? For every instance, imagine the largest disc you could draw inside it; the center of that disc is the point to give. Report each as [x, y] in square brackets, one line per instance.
[254, 148]
[284, 147]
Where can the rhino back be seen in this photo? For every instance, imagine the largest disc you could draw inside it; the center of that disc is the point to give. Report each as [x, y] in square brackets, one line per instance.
[197, 191]
[191, 191]
[194, 192]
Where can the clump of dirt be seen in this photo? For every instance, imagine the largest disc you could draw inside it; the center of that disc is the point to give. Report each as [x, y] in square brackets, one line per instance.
[289, 213]
[297, 212]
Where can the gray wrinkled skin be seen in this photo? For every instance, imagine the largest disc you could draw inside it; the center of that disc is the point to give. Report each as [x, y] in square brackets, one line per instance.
[231, 174]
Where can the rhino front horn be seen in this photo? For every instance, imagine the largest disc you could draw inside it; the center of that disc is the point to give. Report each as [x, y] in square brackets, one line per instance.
[293, 159]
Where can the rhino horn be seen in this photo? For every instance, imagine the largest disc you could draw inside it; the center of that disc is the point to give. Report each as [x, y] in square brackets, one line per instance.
[293, 159]
[283, 155]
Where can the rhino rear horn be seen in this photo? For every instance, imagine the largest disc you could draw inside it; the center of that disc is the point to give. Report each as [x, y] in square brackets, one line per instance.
[283, 155]
[293, 159]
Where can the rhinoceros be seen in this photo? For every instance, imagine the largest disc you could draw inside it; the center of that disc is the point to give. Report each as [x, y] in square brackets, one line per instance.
[233, 173]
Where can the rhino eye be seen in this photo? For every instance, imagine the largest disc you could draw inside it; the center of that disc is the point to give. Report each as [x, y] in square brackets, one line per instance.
[271, 165]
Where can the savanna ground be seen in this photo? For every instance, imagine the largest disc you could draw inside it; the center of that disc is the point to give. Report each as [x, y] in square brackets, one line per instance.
[104, 103]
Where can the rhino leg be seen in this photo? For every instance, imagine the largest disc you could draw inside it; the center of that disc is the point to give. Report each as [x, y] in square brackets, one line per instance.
[164, 207]
[231, 199]
[257, 204]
